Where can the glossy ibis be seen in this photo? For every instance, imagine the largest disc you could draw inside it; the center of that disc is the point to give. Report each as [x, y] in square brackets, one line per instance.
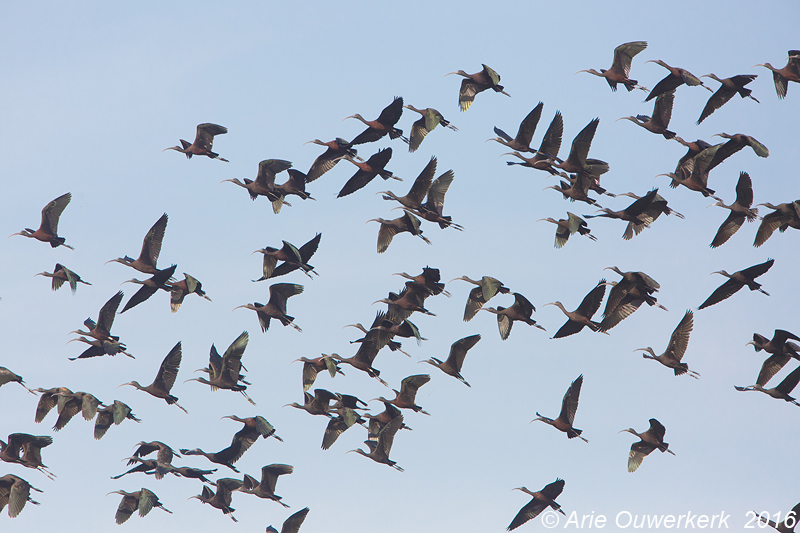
[582, 316]
[276, 306]
[621, 67]
[159, 280]
[520, 311]
[151, 248]
[739, 211]
[541, 500]
[677, 76]
[266, 487]
[659, 122]
[472, 84]
[48, 229]
[15, 492]
[569, 405]
[736, 281]
[678, 342]
[650, 440]
[165, 378]
[568, 226]
[180, 289]
[730, 86]
[782, 76]
[786, 215]
[60, 275]
[381, 446]
[455, 360]
[407, 223]
[294, 258]
[144, 500]
[384, 124]
[522, 141]
[203, 142]
[222, 498]
[430, 119]
[367, 171]
[336, 150]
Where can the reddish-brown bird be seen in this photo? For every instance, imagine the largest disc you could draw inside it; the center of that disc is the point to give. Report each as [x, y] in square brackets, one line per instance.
[621, 67]
[473, 84]
[151, 248]
[203, 142]
[48, 229]
[569, 405]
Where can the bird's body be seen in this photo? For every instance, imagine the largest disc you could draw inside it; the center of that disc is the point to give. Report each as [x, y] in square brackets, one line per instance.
[569, 405]
[730, 87]
[159, 280]
[264, 184]
[115, 413]
[382, 445]
[276, 306]
[735, 143]
[430, 119]
[455, 360]
[582, 316]
[522, 141]
[487, 288]
[740, 211]
[416, 195]
[784, 216]
[383, 125]
[407, 223]
[312, 367]
[317, 404]
[621, 67]
[48, 229]
[266, 487]
[541, 500]
[203, 142]
[736, 281]
[367, 170]
[61, 274]
[142, 500]
[291, 257]
[336, 150]
[472, 84]
[180, 289]
[627, 296]
[74, 403]
[779, 392]
[659, 122]
[677, 76]
[101, 330]
[678, 342]
[151, 249]
[221, 499]
[241, 442]
[225, 371]
[405, 398]
[165, 379]
[7, 376]
[782, 76]
[569, 226]
[15, 492]
[520, 311]
[652, 439]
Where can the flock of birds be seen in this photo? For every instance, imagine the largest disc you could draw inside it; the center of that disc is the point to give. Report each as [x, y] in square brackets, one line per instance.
[580, 176]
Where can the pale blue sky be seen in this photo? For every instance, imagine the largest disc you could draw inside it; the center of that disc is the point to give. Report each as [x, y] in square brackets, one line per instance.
[93, 93]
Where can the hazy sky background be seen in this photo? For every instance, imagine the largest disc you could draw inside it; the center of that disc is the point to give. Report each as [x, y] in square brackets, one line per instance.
[92, 94]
